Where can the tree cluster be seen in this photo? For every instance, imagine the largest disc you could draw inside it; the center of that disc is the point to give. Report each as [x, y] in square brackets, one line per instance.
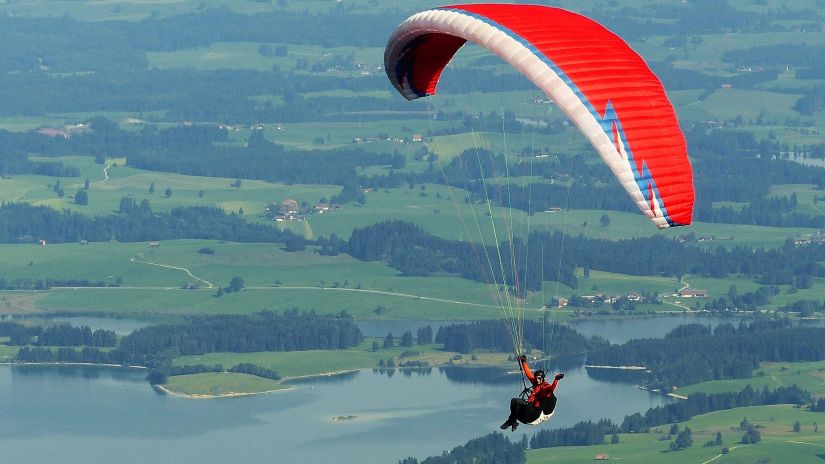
[252, 369]
[492, 448]
[493, 335]
[68, 335]
[581, 434]
[752, 434]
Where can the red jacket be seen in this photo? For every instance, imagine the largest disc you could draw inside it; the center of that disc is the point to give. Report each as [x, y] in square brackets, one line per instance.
[541, 391]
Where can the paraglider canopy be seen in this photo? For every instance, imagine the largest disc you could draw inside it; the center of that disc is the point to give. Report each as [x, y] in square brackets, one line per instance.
[593, 76]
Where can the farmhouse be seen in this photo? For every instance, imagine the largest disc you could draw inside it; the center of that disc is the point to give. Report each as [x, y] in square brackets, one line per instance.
[693, 293]
[288, 207]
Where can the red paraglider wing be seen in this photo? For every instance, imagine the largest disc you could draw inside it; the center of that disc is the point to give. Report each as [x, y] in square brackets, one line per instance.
[602, 85]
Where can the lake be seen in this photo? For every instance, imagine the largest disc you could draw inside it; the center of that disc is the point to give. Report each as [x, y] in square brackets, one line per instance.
[88, 415]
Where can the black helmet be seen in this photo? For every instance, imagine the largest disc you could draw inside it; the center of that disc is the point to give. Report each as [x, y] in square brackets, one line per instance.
[541, 374]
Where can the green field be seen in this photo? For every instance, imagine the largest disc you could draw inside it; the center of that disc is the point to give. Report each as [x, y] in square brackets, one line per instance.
[8, 352]
[440, 209]
[105, 193]
[779, 444]
[151, 281]
[244, 55]
[146, 281]
[807, 375]
[220, 384]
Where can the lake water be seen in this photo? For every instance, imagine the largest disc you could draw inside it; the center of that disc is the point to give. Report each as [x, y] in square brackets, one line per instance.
[89, 415]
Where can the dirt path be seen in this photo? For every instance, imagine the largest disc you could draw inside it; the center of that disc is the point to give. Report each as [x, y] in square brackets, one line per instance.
[805, 443]
[381, 292]
[685, 285]
[106, 170]
[187, 271]
[20, 197]
[720, 454]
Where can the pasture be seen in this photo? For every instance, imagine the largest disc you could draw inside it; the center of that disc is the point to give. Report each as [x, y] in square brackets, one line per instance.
[220, 383]
[807, 375]
[107, 186]
[779, 443]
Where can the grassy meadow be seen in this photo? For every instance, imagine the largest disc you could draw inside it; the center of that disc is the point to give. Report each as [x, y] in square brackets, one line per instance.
[779, 443]
[439, 209]
[220, 384]
[808, 375]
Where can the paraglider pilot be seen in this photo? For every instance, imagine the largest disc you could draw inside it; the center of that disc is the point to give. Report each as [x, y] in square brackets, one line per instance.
[541, 401]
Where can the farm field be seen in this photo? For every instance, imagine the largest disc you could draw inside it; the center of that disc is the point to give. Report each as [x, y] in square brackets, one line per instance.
[779, 443]
[148, 281]
[105, 193]
[220, 383]
[807, 375]
[440, 209]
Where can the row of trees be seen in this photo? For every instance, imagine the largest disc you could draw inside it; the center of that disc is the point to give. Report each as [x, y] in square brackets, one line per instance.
[23, 223]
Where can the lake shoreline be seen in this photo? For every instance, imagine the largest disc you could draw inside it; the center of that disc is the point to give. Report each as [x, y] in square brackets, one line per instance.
[58, 363]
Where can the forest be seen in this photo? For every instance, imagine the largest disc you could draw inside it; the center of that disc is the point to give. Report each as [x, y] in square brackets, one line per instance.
[489, 449]
[156, 346]
[492, 335]
[412, 251]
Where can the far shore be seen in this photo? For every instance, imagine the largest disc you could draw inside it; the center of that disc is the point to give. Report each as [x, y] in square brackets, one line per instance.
[58, 363]
[627, 368]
